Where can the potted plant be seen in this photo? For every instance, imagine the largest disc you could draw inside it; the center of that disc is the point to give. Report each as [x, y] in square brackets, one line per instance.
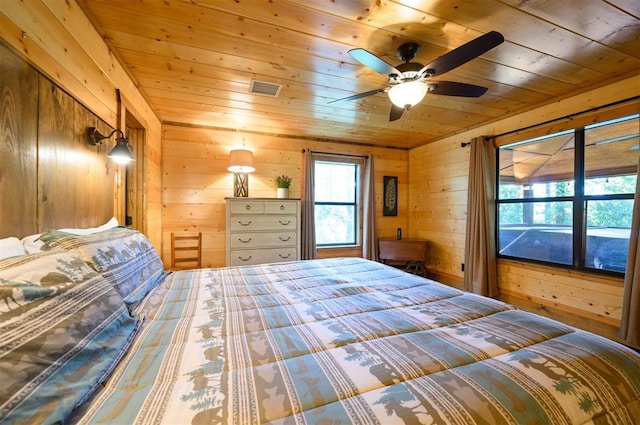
[283, 182]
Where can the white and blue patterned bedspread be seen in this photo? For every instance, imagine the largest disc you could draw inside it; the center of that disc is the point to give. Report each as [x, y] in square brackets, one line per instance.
[345, 341]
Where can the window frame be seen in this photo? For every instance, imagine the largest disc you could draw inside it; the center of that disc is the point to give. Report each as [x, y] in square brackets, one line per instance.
[359, 162]
[579, 199]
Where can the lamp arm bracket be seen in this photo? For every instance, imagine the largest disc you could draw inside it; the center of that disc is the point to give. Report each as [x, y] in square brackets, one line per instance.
[95, 138]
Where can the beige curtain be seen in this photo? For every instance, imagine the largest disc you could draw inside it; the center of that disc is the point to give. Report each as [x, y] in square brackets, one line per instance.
[630, 322]
[369, 240]
[308, 231]
[480, 275]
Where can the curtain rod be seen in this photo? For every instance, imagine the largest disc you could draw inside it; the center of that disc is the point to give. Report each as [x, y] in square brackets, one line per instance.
[333, 153]
[570, 116]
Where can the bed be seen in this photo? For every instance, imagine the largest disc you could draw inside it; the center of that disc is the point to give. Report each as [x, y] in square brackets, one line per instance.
[93, 331]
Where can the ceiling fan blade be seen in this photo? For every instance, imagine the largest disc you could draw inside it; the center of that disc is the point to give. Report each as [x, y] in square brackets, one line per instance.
[359, 95]
[372, 61]
[395, 113]
[450, 88]
[464, 53]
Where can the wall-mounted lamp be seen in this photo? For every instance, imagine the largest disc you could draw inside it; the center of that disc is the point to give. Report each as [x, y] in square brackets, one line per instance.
[121, 152]
[240, 164]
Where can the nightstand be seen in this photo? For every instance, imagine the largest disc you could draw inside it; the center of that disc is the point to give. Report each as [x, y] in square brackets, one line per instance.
[409, 254]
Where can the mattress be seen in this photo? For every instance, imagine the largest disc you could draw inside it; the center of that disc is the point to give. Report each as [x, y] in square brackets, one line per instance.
[342, 341]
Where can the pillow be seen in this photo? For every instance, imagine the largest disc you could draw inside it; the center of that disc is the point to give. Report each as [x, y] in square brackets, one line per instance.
[123, 256]
[108, 225]
[10, 247]
[33, 244]
[62, 328]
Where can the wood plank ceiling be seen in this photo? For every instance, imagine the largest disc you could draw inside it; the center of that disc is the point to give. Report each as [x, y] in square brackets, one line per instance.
[195, 60]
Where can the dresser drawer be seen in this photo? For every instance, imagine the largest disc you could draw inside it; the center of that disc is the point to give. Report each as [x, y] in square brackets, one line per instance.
[246, 207]
[267, 240]
[247, 223]
[281, 207]
[259, 256]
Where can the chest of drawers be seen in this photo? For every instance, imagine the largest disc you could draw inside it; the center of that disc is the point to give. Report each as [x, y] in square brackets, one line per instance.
[261, 230]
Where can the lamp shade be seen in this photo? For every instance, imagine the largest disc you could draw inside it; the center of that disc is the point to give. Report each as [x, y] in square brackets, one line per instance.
[121, 152]
[408, 94]
[241, 161]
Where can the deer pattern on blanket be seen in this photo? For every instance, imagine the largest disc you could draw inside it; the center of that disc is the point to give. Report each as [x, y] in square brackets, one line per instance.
[353, 341]
[62, 325]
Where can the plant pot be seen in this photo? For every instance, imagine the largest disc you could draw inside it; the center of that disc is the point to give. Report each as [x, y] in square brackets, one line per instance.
[283, 192]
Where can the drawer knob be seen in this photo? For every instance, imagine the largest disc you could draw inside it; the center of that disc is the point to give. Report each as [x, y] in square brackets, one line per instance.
[248, 207]
[244, 224]
[243, 241]
[284, 256]
[281, 207]
[284, 239]
[283, 223]
[244, 259]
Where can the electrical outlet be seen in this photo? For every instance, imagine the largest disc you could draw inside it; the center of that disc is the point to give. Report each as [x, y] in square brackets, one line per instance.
[462, 266]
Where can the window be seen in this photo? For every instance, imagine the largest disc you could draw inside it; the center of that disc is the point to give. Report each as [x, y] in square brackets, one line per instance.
[337, 200]
[567, 198]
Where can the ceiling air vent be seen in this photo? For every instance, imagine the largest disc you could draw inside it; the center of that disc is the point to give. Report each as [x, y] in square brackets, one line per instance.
[264, 88]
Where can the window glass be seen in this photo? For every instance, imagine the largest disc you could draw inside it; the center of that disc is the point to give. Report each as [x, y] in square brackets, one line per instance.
[335, 182]
[608, 230]
[611, 157]
[336, 202]
[544, 163]
[546, 208]
[537, 230]
[335, 224]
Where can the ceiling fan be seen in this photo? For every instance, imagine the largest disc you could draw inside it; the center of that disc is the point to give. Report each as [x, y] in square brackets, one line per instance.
[410, 81]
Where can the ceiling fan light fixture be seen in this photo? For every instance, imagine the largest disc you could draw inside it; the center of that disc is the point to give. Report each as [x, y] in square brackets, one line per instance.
[408, 94]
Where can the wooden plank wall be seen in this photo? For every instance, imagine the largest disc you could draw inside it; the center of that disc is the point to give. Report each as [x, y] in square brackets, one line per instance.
[195, 181]
[438, 178]
[18, 144]
[75, 180]
[60, 42]
[50, 176]
[438, 208]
